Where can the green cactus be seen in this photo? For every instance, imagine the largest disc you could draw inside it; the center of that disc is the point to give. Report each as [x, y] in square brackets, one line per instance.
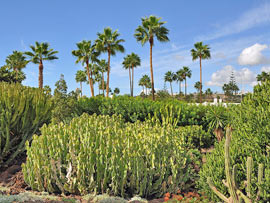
[236, 195]
[23, 110]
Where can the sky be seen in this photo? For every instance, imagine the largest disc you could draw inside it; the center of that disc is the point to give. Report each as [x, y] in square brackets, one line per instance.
[238, 33]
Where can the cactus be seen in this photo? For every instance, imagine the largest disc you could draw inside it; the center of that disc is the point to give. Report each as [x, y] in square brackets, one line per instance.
[236, 195]
[23, 111]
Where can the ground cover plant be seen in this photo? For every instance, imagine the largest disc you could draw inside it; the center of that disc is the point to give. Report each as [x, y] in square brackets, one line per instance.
[23, 110]
[104, 154]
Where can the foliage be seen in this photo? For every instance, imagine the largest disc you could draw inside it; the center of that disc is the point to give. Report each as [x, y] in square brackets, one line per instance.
[7, 75]
[250, 137]
[23, 111]
[104, 154]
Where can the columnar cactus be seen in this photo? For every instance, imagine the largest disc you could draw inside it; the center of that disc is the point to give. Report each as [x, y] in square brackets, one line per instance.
[236, 195]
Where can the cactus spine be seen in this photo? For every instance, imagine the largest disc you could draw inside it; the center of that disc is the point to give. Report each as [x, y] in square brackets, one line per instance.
[236, 195]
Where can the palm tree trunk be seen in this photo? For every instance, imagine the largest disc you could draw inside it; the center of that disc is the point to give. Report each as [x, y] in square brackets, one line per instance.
[81, 88]
[179, 88]
[92, 84]
[146, 90]
[185, 86]
[89, 78]
[103, 83]
[40, 76]
[129, 80]
[171, 89]
[201, 79]
[108, 73]
[143, 89]
[151, 68]
[132, 81]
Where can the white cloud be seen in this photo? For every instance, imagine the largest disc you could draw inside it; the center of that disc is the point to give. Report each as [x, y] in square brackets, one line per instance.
[251, 18]
[265, 69]
[222, 76]
[253, 55]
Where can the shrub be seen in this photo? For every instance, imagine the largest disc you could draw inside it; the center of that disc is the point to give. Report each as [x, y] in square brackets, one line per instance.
[23, 111]
[105, 154]
[250, 137]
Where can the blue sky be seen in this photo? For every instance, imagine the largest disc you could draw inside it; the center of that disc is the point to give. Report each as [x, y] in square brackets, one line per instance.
[238, 33]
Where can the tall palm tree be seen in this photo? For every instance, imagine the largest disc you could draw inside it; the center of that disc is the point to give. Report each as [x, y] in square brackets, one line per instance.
[151, 27]
[186, 73]
[80, 77]
[108, 42]
[202, 52]
[41, 52]
[103, 67]
[87, 53]
[131, 61]
[169, 77]
[126, 65]
[179, 78]
[16, 61]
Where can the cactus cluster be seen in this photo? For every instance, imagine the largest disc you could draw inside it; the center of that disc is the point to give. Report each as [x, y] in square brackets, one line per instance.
[236, 195]
[23, 110]
[103, 154]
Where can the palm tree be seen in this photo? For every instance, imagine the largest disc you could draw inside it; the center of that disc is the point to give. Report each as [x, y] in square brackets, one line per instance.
[186, 73]
[87, 53]
[16, 61]
[179, 78]
[131, 61]
[198, 86]
[208, 92]
[263, 76]
[108, 42]
[151, 27]
[141, 83]
[169, 77]
[202, 52]
[41, 52]
[116, 91]
[80, 77]
[103, 67]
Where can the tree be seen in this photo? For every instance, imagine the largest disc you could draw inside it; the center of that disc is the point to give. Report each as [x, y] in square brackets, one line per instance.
[103, 67]
[179, 78]
[87, 53]
[80, 77]
[145, 82]
[16, 61]
[208, 92]
[230, 88]
[198, 86]
[202, 52]
[131, 61]
[61, 87]
[263, 77]
[169, 77]
[6, 75]
[47, 90]
[108, 42]
[41, 52]
[151, 27]
[116, 90]
[186, 73]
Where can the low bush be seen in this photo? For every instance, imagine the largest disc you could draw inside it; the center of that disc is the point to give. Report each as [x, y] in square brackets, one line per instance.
[250, 137]
[104, 154]
[23, 110]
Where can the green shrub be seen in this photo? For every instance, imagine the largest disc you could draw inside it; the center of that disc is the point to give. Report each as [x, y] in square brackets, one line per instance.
[250, 137]
[23, 111]
[105, 154]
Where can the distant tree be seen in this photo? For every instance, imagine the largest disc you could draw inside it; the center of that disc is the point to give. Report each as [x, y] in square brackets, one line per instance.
[80, 77]
[87, 54]
[108, 42]
[263, 77]
[186, 73]
[198, 86]
[145, 82]
[202, 52]
[41, 52]
[169, 77]
[16, 61]
[116, 91]
[47, 90]
[179, 78]
[7, 75]
[103, 67]
[150, 28]
[208, 92]
[61, 87]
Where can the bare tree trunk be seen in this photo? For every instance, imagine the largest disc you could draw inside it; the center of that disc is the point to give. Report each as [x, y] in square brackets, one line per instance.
[108, 73]
[171, 89]
[132, 81]
[151, 68]
[40, 76]
[92, 83]
[103, 83]
[201, 79]
[89, 78]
